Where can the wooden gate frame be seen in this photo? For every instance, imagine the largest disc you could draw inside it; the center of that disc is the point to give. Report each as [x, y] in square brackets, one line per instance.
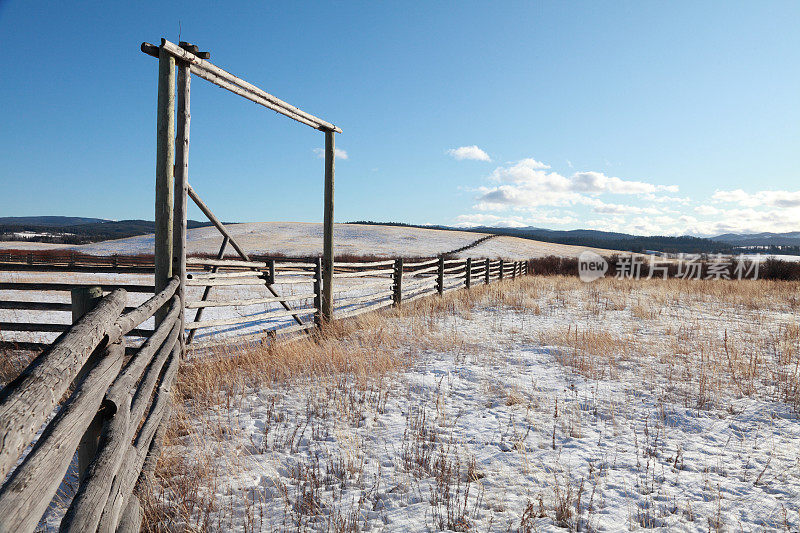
[172, 164]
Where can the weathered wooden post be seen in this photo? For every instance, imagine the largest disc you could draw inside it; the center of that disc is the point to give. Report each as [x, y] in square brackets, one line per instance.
[487, 274]
[327, 232]
[514, 270]
[181, 191]
[502, 266]
[271, 272]
[84, 299]
[440, 276]
[468, 278]
[165, 158]
[317, 290]
[397, 288]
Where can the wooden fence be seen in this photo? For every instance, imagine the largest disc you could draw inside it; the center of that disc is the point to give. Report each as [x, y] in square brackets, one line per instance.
[248, 300]
[114, 415]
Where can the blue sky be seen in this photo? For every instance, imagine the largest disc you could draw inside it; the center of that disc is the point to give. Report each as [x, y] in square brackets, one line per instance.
[645, 117]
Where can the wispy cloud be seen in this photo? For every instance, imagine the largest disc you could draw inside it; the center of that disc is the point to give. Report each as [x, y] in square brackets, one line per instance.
[469, 152]
[513, 221]
[781, 199]
[338, 153]
[527, 192]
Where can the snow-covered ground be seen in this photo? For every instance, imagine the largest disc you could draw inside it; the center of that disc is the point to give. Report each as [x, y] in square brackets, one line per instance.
[304, 239]
[545, 403]
[517, 249]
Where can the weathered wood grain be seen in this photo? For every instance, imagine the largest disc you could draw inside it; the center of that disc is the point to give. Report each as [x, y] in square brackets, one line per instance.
[327, 227]
[165, 159]
[27, 401]
[218, 76]
[27, 493]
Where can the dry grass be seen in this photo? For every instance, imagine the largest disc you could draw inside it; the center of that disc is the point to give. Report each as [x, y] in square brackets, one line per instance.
[714, 340]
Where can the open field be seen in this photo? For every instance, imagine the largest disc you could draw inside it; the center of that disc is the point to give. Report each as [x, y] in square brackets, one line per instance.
[305, 239]
[529, 405]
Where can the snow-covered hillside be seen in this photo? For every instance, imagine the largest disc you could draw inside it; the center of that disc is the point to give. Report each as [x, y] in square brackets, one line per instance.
[303, 239]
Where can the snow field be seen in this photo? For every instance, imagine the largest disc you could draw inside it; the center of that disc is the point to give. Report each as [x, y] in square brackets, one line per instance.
[533, 405]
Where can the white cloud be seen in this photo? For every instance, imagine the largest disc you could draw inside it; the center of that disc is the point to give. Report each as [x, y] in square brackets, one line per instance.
[621, 209]
[527, 183]
[525, 192]
[338, 153]
[707, 210]
[469, 152]
[783, 199]
[514, 221]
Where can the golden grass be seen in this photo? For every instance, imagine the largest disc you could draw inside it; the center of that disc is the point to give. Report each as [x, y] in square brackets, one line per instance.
[704, 341]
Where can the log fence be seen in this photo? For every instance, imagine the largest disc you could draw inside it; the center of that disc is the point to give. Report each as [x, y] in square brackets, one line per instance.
[75, 381]
[90, 409]
[128, 404]
[231, 299]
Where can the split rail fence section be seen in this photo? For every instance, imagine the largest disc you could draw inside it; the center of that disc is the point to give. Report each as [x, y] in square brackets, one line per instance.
[114, 415]
[231, 300]
[360, 287]
[118, 405]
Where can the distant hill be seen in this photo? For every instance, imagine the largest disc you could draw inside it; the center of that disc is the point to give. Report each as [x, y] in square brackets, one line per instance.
[76, 230]
[597, 239]
[49, 221]
[791, 238]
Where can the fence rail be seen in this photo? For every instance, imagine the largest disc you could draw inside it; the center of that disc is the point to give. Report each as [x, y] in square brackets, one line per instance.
[113, 416]
[82, 395]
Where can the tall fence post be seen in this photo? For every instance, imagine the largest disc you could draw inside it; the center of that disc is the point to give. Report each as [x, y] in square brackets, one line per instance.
[440, 276]
[514, 271]
[165, 159]
[487, 274]
[468, 279]
[327, 230]
[502, 266]
[317, 289]
[397, 287]
[84, 299]
[181, 192]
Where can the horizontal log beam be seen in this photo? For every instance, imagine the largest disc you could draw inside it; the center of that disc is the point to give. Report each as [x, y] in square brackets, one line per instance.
[35, 306]
[67, 287]
[224, 263]
[356, 264]
[26, 495]
[275, 333]
[227, 282]
[364, 273]
[59, 266]
[226, 80]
